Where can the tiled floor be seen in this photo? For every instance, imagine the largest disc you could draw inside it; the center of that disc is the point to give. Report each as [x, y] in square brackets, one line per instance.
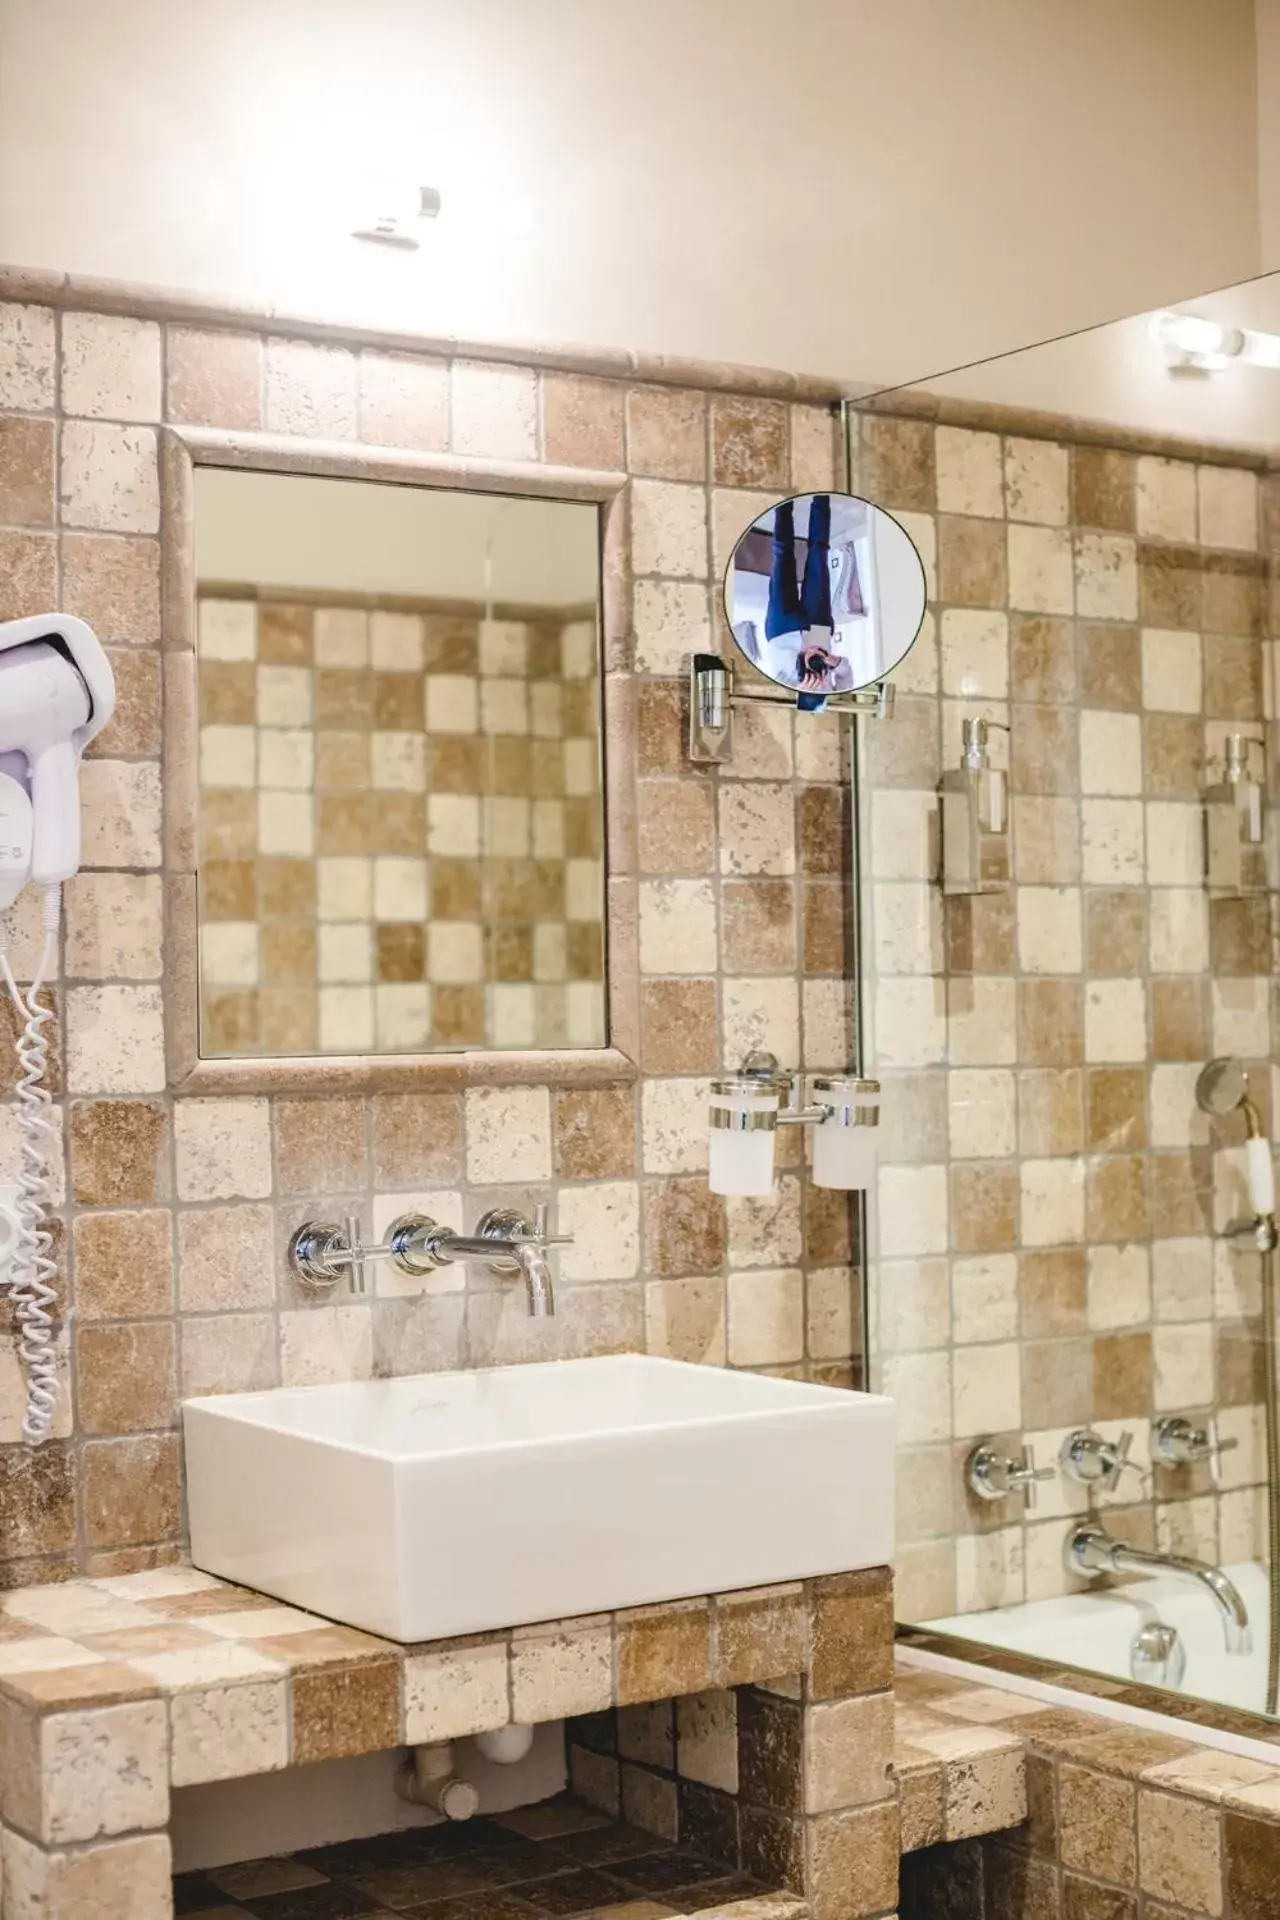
[540, 1863]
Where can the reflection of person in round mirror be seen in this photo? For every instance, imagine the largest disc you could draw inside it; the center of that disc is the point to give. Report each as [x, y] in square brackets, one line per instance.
[804, 593]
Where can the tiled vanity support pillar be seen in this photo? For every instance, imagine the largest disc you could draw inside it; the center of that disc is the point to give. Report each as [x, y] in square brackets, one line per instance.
[84, 1799]
[790, 1780]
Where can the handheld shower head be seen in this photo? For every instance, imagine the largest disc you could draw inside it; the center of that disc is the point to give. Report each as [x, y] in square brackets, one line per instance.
[1222, 1089]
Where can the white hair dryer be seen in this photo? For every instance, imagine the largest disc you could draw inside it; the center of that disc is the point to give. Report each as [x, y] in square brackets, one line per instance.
[56, 692]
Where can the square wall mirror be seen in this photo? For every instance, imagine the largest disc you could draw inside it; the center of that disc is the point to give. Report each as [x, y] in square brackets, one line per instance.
[400, 805]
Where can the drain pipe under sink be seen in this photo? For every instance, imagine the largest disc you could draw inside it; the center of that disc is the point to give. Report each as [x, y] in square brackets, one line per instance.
[427, 1776]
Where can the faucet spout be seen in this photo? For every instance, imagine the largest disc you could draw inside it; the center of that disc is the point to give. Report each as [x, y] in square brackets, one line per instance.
[539, 1292]
[1091, 1549]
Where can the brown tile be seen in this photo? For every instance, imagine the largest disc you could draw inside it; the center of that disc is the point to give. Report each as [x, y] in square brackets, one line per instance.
[402, 951]
[399, 824]
[684, 1227]
[980, 932]
[1122, 1375]
[760, 1635]
[749, 442]
[758, 926]
[1044, 750]
[228, 890]
[1239, 1363]
[319, 1145]
[1232, 678]
[119, 1152]
[455, 890]
[1234, 589]
[451, 643]
[1173, 749]
[1169, 586]
[1117, 1109]
[897, 462]
[214, 379]
[1115, 930]
[1057, 1380]
[826, 920]
[771, 1751]
[284, 636]
[675, 826]
[822, 830]
[1179, 1020]
[984, 1206]
[397, 702]
[1042, 659]
[124, 1264]
[1086, 1900]
[126, 1377]
[582, 421]
[667, 433]
[288, 954]
[345, 1711]
[971, 562]
[1252, 1863]
[344, 823]
[28, 573]
[853, 1861]
[458, 1017]
[342, 760]
[1116, 1198]
[663, 1651]
[1240, 936]
[660, 727]
[286, 889]
[508, 948]
[344, 697]
[26, 472]
[1052, 1292]
[228, 824]
[1102, 489]
[224, 1258]
[416, 1138]
[288, 1020]
[1110, 658]
[852, 1628]
[37, 1501]
[133, 731]
[595, 1132]
[113, 582]
[1050, 1023]
[131, 1490]
[1174, 1194]
[828, 1227]
[230, 1023]
[1180, 1850]
[1097, 1824]
[1050, 1112]
[678, 1032]
[1018, 1888]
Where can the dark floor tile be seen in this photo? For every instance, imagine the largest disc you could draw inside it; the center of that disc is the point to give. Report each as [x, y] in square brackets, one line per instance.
[196, 1893]
[573, 1892]
[662, 1873]
[714, 1893]
[494, 1905]
[411, 1884]
[339, 1900]
[602, 1846]
[345, 1858]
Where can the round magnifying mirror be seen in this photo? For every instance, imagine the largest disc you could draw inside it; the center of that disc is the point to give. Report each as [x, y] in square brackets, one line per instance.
[825, 593]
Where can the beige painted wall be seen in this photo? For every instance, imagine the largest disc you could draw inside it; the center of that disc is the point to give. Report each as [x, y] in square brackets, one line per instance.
[875, 189]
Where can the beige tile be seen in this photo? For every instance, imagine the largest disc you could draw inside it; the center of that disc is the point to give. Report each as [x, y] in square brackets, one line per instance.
[110, 366]
[28, 371]
[404, 401]
[671, 620]
[766, 1317]
[120, 1880]
[223, 1149]
[1228, 503]
[114, 926]
[508, 1133]
[669, 529]
[104, 1772]
[677, 927]
[214, 379]
[321, 1345]
[1166, 499]
[1179, 1851]
[494, 411]
[109, 477]
[456, 1689]
[228, 1353]
[311, 390]
[707, 1739]
[685, 1320]
[848, 1752]
[115, 1040]
[969, 477]
[560, 1670]
[1106, 570]
[225, 1258]
[1036, 481]
[1040, 570]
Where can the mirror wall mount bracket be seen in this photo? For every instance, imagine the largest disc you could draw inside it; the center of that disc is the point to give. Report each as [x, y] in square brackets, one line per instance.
[714, 693]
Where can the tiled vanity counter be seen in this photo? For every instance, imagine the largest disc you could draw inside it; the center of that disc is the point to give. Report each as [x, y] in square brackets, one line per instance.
[113, 1691]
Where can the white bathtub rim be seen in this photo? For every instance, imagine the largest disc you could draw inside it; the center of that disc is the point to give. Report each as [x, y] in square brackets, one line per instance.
[1193, 1732]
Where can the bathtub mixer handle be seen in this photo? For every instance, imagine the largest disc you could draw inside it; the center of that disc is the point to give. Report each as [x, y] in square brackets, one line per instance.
[1091, 1461]
[992, 1475]
[1178, 1442]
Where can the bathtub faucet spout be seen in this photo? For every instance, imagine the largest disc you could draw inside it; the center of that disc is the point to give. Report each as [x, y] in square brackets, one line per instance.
[1091, 1549]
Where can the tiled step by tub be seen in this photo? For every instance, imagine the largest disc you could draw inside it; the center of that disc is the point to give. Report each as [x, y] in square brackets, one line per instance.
[557, 1861]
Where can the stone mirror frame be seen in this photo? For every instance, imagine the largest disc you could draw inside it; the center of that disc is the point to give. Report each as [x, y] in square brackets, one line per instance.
[183, 450]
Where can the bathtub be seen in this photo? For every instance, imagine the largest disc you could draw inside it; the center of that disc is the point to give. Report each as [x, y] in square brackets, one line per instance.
[1093, 1630]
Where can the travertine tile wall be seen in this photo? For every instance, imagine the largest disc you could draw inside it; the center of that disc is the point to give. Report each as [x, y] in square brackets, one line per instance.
[176, 1211]
[401, 826]
[1047, 1191]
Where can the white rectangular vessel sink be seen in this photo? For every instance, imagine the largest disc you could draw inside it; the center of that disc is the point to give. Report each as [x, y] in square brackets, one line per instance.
[449, 1503]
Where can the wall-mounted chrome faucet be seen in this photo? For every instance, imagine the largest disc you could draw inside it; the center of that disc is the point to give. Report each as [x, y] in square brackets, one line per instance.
[1178, 1442]
[321, 1252]
[1091, 1461]
[992, 1475]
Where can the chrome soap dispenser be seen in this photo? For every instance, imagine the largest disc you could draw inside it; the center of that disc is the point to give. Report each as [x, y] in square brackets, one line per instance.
[975, 817]
[1234, 810]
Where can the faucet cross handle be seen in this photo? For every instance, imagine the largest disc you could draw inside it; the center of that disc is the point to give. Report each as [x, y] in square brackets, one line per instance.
[1094, 1462]
[1178, 1442]
[994, 1476]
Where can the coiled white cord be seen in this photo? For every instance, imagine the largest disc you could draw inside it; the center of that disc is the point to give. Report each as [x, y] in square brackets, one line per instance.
[32, 1269]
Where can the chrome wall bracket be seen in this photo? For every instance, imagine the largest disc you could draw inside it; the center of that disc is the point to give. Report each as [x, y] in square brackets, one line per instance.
[714, 693]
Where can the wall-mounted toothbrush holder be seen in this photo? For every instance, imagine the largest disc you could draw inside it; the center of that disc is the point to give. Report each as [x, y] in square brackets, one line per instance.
[747, 1108]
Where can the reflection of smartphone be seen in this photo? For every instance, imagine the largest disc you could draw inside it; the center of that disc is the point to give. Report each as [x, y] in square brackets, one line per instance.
[815, 663]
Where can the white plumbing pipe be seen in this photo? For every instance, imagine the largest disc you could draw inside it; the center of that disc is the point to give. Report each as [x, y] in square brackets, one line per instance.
[427, 1778]
[505, 1745]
